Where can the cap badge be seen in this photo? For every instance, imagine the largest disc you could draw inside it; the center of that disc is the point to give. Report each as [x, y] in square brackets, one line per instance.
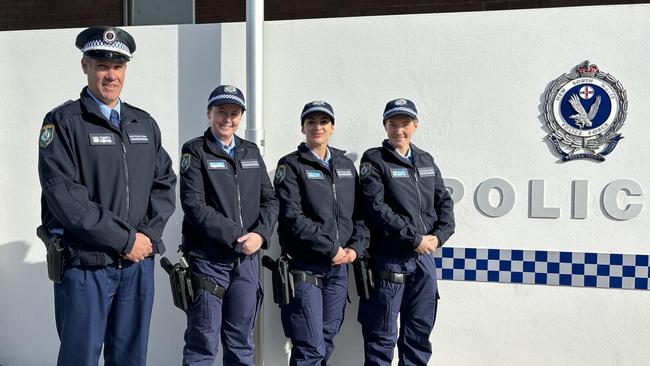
[109, 36]
[230, 89]
[400, 102]
[318, 102]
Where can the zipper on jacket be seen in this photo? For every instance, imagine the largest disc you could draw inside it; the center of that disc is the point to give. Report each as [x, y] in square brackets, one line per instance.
[336, 211]
[417, 188]
[126, 176]
[241, 220]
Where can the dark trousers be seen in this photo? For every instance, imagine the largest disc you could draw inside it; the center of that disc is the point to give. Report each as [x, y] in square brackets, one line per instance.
[231, 318]
[416, 302]
[104, 305]
[314, 316]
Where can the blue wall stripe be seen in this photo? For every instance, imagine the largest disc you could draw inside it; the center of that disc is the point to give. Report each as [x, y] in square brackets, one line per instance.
[540, 267]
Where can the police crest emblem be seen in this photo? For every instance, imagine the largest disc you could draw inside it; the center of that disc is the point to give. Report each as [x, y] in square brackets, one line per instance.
[230, 89]
[364, 170]
[46, 136]
[280, 173]
[584, 110]
[185, 162]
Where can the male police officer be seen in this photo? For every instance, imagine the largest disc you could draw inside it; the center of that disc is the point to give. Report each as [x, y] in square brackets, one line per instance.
[410, 214]
[108, 190]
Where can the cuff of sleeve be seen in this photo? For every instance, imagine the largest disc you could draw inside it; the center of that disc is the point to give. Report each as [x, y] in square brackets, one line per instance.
[149, 233]
[417, 241]
[335, 250]
[441, 238]
[239, 247]
[129, 242]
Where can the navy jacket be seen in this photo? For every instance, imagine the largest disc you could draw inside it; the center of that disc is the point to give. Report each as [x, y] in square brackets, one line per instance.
[224, 198]
[101, 185]
[404, 201]
[320, 208]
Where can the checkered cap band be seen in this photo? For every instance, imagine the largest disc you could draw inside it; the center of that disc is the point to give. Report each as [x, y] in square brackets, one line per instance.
[233, 97]
[317, 109]
[400, 109]
[540, 267]
[99, 44]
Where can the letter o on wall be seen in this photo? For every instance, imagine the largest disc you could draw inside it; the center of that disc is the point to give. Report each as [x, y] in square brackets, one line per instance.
[482, 197]
[609, 199]
[455, 189]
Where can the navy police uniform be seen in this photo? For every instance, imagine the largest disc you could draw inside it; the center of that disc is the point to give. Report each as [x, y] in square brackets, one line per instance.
[404, 199]
[102, 183]
[224, 197]
[320, 212]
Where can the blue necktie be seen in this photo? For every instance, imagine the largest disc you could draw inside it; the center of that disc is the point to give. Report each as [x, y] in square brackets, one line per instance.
[115, 119]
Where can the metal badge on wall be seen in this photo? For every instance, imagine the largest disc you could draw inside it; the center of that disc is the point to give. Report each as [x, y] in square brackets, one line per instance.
[584, 110]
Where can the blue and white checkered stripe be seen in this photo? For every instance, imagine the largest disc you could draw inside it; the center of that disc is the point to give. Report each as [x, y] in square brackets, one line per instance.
[400, 109]
[99, 44]
[226, 96]
[539, 267]
[317, 109]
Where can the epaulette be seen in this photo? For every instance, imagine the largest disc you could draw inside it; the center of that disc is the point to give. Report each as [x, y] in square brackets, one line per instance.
[137, 110]
[194, 141]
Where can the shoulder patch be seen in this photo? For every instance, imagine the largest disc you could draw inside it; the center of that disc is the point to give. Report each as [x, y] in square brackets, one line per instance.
[185, 162]
[364, 170]
[46, 136]
[280, 173]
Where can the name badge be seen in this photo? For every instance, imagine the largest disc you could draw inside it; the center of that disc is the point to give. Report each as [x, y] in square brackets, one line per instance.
[138, 139]
[427, 172]
[217, 165]
[344, 173]
[399, 173]
[250, 164]
[101, 139]
[314, 174]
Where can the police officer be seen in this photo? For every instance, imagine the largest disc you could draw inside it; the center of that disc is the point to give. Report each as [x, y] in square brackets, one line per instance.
[410, 215]
[108, 190]
[321, 229]
[230, 210]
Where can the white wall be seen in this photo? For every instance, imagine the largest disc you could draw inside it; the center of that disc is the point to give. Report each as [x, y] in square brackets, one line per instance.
[478, 80]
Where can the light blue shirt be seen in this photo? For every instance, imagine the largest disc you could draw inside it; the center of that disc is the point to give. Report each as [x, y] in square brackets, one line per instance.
[407, 156]
[326, 161]
[229, 149]
[106, 110]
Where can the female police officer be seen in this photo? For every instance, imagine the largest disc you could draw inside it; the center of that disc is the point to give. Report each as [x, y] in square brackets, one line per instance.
[410, 214]
[320, 229]
[230, 209]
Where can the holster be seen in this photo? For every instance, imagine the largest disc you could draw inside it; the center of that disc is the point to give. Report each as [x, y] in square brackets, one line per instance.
[55, 258]
[180, 279]
[283, 285]
[363, 277]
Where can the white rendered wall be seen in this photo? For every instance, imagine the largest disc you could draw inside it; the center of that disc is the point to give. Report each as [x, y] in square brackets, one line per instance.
[478, 80]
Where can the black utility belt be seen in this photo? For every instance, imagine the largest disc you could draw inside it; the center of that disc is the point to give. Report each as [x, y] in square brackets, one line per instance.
[394, 277]
[301, 276]
[208, 285]
[184, 283]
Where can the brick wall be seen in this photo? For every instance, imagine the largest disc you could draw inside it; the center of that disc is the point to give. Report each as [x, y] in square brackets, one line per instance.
[46, 14]
[218, 11]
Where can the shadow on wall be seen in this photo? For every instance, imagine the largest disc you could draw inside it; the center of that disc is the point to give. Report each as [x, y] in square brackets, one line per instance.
[27, 314]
